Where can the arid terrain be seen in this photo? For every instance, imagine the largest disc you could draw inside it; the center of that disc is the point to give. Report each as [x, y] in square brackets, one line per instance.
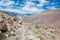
[45, 17]
[40, 26]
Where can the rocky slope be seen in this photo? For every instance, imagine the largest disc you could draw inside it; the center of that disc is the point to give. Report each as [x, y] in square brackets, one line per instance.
[12, 28]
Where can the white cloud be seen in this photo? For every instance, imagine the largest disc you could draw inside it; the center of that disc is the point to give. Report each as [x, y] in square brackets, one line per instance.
[40, 5]
[25, 10]
[30, 7]
[7, 3]
[16, 11]
[42, 1]
[33, 9]
[51, 7]
[13, 10]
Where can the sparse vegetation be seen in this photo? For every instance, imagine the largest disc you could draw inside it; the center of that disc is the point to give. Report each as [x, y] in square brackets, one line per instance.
[11, 28]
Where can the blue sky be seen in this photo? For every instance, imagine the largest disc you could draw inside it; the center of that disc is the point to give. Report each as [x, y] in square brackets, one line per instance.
[28, 6]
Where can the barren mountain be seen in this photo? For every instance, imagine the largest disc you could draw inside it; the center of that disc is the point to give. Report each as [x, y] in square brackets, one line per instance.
[45, 17]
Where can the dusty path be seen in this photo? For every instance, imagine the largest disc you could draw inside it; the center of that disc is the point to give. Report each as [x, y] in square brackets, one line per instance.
[28, 34]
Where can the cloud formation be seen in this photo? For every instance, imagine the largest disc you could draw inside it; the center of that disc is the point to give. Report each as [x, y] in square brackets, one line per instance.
[28, 6]
[6, 3]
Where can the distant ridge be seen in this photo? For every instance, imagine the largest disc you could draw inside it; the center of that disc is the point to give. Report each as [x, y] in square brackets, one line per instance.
[45, 17]
[10, 13]
[15, 14]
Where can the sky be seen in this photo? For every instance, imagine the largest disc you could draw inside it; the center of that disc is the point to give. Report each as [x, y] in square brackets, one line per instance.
[28, 6]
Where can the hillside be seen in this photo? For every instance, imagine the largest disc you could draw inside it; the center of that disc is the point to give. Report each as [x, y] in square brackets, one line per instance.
[13, 28]
[45, 17]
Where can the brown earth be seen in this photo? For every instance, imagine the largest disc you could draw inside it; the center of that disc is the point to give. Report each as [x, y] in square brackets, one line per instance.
[47, 19]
